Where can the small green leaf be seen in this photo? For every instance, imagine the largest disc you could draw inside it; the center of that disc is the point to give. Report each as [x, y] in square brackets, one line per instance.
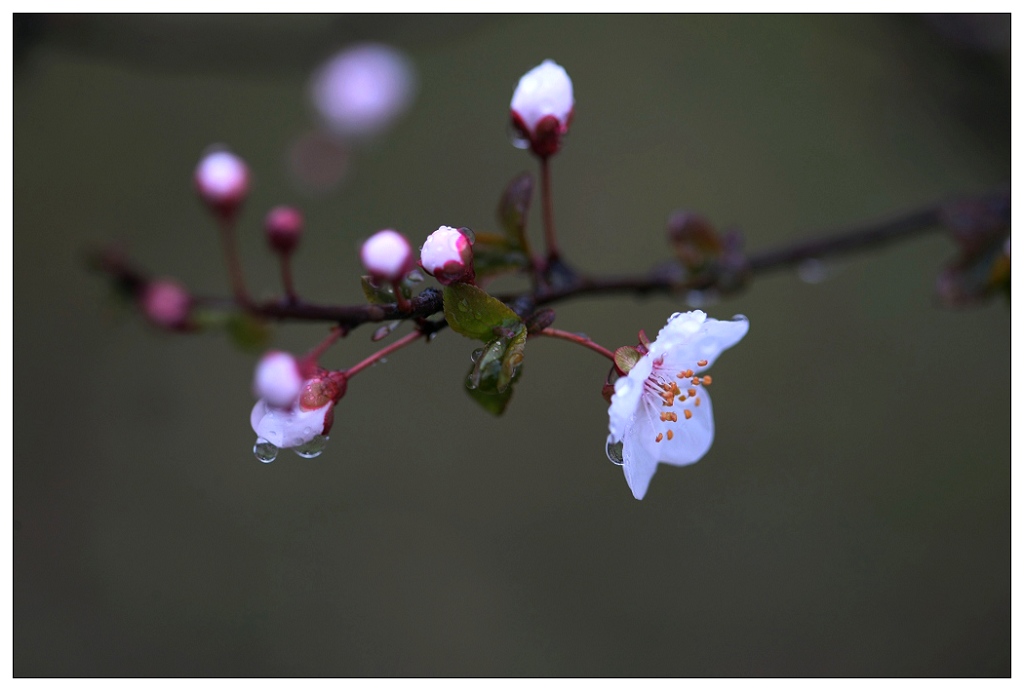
[512, 360]
[625, 358]
[248, 332]
[492, 401]
[514, 208]
[473, 313]
[377, 294]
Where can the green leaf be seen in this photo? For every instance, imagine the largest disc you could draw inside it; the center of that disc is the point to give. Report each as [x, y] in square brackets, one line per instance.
[493, 401]
[497, 260]
[377, 294]
[473, 313]
[626, 358]
[248, 332]
[512, 360]
[514, 208]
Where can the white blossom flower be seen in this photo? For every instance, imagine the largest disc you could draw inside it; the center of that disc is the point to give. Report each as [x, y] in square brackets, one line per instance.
[661, 411]
[309, 415]
[222, 179]
[363, 89]
[387, 255]
[277, 379]
[447, 255]
[544, 90]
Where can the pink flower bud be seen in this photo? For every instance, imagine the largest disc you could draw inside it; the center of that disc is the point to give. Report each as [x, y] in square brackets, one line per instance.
[387, 256]
[542, 107]
[284, 229]
[277, 380]
[447, 255]
[166, 303]
[222, 180]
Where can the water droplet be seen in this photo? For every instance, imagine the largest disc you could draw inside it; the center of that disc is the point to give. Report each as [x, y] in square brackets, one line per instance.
[313, 448]
[477, 315]
[614, 452]
[264, 451]
[470, 235]
[475, 355]
[517, 138]
[812, 271]
[463, 306]
[414, 277]
[472, 382]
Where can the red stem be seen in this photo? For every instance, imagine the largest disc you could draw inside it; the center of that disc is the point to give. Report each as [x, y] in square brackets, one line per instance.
[549, 214]
[314, 355]
[576, 338]
[286, 278]
[234, 264]
[383, 352]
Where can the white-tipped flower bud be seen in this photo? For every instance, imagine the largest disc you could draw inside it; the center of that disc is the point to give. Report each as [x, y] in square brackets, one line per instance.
[387, 256]
[447, 255]
[277, 379]
[222, 180]
[542, 107]
[166, 303]
[310, 413]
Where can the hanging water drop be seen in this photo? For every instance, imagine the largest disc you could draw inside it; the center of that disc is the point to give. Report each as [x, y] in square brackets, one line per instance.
[614, 452]
[517, 138]
[475, 355]
[313, 448]
[264, 451]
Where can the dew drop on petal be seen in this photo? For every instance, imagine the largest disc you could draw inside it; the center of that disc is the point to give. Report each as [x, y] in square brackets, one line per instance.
[264, 451]
[614, 452]
[313, 448]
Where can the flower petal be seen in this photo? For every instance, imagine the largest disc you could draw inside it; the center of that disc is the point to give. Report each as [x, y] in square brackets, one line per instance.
[690, 440]
[290, 427]
[626, 399]
[689, 337]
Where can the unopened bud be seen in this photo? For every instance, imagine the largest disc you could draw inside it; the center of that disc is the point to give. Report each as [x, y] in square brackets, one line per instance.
[222, 180]
[166, 303]
[387, 256]
[447, 255]
[284, 229]
[542, 107]
[277, 379]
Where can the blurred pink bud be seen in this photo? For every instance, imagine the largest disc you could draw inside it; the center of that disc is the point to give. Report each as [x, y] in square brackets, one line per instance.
[222, 180]
[277, 379]
[363, 89]
[166, 303]
[542, 107]
[284, 229]
[447, 255]
[387, 255]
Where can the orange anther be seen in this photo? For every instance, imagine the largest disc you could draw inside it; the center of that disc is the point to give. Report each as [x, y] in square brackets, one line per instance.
[702, 363]
[707, 381]
[658, 438]
[696, 401]
[675, 417]
[695, 381]
[681, 375]
[692, 392]
[689, 373]
[688, 414]
[683, 397]
[669, 435]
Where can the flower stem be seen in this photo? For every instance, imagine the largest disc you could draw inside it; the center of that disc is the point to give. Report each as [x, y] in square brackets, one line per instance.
[549, 214]
[314, 355]
[286, 278]
[577, 338]
[383, 352]
[231, 258]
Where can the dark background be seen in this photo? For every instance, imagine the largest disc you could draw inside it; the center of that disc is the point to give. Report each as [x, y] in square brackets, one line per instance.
[852, 517]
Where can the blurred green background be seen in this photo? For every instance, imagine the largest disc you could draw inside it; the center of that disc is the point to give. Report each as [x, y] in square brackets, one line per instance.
[852, 517]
